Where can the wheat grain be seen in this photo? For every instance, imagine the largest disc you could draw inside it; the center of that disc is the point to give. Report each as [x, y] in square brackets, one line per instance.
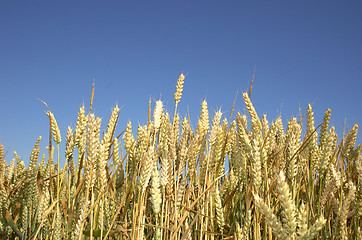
[203, 123]
[54, 126]
[350, 142]
[313, 231]
[324, 129]
[155, 191]
[302, 220]
[148, 165]
[116, 152]
[92, 148]
[157, 115]
[179, 88]
[255, 121]
[289, 209]
[219, 209]
[271, 218]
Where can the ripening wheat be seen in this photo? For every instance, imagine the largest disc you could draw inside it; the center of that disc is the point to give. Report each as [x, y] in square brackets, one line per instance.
[242, 178]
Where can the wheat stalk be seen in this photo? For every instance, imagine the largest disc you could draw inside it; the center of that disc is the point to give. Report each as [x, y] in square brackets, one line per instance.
[234, 179]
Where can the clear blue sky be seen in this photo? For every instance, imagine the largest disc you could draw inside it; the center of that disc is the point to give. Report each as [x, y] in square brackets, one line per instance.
[304, 52]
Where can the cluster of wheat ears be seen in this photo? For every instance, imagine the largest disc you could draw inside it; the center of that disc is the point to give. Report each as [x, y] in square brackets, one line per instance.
[232, 180]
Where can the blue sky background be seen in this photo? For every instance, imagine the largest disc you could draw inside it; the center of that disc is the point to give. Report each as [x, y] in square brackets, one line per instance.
[304, 52]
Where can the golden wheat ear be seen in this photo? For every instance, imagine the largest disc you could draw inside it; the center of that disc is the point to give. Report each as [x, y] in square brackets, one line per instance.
[241, 179]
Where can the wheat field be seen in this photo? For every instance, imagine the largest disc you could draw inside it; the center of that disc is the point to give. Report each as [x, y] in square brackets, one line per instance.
[237, 177]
